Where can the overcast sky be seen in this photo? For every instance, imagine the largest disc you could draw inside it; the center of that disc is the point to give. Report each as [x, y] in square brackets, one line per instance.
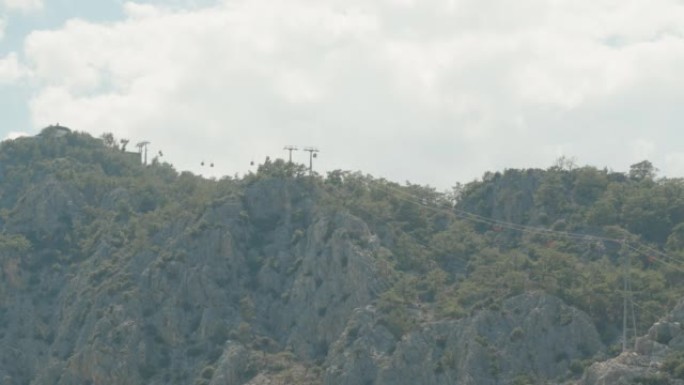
[431, 91]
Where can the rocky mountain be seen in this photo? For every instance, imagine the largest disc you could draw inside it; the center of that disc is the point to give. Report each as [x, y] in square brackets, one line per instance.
[113, 272]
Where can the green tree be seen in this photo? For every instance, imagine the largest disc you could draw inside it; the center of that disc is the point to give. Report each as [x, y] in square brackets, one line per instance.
[642, 171]
[589, 185]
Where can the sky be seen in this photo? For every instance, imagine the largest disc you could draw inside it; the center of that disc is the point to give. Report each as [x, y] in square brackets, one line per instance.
[432, 91]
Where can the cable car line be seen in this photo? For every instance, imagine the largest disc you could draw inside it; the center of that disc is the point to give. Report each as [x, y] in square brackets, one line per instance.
[636, 247]
[537, 230]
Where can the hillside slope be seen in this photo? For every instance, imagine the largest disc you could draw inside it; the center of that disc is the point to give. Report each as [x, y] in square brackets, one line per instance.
[118, 273]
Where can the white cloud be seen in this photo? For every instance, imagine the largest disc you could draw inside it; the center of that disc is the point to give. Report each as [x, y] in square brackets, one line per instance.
[15, 134]
[24, 5]
[674, 163]
[642, 149]
[11, 70]
[433, 91]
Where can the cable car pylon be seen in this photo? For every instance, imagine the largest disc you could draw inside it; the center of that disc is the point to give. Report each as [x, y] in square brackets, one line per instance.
[290, 149]
[313, 153]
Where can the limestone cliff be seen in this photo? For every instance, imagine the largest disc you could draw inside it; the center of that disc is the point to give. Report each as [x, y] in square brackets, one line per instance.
[268, 269]
[530, 338]
[116, 273]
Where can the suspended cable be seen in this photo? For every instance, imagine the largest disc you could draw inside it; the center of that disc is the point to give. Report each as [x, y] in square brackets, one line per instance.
[532, 229]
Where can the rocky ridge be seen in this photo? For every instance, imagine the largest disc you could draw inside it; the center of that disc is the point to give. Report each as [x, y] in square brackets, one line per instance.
[253, 290]
[113, 273]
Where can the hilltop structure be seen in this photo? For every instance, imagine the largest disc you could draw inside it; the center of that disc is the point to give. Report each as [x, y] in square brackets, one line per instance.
[54, 131]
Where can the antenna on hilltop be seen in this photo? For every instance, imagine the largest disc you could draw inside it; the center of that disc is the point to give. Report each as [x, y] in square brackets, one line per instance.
[290, 149]
[313, 153]
[142, 146]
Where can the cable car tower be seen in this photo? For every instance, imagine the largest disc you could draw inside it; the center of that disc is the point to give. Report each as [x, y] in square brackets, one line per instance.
[142, 146]
[627, 299]
[313, 153]
[290, 149]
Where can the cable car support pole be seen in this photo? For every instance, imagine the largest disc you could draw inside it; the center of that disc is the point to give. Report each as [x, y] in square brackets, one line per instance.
[625, 285]
[312, 154]
[290, 149]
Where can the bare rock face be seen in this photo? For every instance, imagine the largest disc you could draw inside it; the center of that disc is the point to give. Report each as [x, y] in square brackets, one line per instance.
[335, 276]
[263, 287]
[627, 368]
[233, 366]
[247, 292]
[655, 359]
[48, 212]
[364, 348]
[260, 289]
[533, 336]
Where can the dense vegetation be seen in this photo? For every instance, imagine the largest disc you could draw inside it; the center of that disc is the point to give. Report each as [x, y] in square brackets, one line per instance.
[558, 230]
[565, 230]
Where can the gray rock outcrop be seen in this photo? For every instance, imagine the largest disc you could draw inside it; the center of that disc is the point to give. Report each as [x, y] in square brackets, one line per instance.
[270, 272]
[534, 336]
[654, 359]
